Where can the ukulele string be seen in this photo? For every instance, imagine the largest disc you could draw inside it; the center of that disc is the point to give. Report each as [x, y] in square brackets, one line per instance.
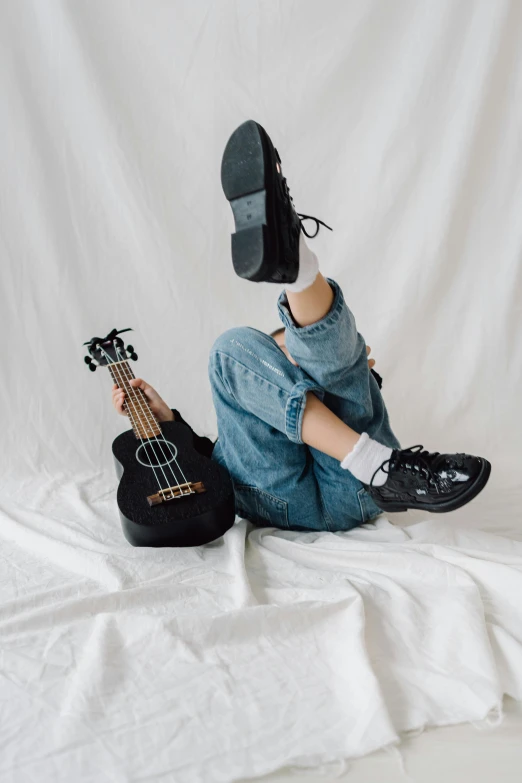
[111, 365]
[124, 368]
[149, 418]
[117, 380]
[148, 440]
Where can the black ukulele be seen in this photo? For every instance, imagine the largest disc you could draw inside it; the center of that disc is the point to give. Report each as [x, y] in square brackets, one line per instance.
[169, 494]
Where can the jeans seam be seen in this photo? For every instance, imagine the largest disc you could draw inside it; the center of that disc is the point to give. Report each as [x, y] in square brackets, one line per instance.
[262, 492]
[326, 516]
[363, 503]
[294, 421]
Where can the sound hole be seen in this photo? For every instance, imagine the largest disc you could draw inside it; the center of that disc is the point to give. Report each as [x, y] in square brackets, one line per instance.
[156, 453]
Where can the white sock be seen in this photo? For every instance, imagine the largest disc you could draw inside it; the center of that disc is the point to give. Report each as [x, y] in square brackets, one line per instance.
[365, 458]
[308, 268]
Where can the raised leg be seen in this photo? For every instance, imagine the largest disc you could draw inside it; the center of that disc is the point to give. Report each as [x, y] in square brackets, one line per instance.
[312, 304]
[322, 338]
[333, 353]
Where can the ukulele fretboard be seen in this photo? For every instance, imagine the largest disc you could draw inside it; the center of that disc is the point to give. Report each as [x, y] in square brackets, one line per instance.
[144, 422]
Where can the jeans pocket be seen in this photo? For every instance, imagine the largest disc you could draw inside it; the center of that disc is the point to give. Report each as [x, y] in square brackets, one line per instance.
[260, 507]
[369, 509]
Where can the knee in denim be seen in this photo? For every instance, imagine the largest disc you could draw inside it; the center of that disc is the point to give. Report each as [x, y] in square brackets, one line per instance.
[238, 341]
[229, 344]
[252, 348]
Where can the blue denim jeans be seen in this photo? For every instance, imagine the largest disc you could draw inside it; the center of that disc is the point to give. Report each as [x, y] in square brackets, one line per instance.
[260, 399]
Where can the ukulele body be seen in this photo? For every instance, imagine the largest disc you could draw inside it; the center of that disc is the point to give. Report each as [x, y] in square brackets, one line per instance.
[190, 520]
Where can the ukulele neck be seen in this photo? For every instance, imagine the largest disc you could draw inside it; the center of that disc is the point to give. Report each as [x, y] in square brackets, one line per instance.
[144, 422]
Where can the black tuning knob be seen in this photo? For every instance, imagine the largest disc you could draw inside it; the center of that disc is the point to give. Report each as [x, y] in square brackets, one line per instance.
[133, 356]
[90, 364]
[130, 348]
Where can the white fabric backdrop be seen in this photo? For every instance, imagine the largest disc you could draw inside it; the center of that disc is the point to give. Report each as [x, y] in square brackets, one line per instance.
[400, 125]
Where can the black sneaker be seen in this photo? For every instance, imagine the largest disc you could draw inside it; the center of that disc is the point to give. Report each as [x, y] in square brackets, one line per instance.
[265, 246]
[429, 481]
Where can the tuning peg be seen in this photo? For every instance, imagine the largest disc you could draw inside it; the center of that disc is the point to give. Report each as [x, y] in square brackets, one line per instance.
[133, 356]
[90, 364]
[130, 348]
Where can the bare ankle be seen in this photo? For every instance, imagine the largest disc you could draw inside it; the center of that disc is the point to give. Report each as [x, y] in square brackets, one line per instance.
[312, 304]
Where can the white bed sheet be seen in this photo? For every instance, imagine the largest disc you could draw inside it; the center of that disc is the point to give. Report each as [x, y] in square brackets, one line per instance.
[264, 649]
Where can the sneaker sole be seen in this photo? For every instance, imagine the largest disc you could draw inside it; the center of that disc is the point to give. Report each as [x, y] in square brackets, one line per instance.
[450, 505]
[247, 168]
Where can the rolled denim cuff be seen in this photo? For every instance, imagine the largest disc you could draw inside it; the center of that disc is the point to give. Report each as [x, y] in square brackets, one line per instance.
[330, 318]
[295, 408]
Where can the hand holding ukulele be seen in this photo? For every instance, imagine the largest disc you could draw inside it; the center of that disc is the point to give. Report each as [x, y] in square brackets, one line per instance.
[158, 406]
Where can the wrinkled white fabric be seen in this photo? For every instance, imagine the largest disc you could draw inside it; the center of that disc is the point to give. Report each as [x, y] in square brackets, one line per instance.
[399, 124]
[264, 649]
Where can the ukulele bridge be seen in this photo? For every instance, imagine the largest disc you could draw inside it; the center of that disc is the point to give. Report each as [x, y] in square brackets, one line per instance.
[179, 491]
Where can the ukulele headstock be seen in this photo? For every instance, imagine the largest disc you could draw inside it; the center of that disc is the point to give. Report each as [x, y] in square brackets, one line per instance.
[109, 349]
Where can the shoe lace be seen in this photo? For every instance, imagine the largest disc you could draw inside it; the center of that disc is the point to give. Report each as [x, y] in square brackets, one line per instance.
[318, 224]
[288, 195]
[411, 460]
